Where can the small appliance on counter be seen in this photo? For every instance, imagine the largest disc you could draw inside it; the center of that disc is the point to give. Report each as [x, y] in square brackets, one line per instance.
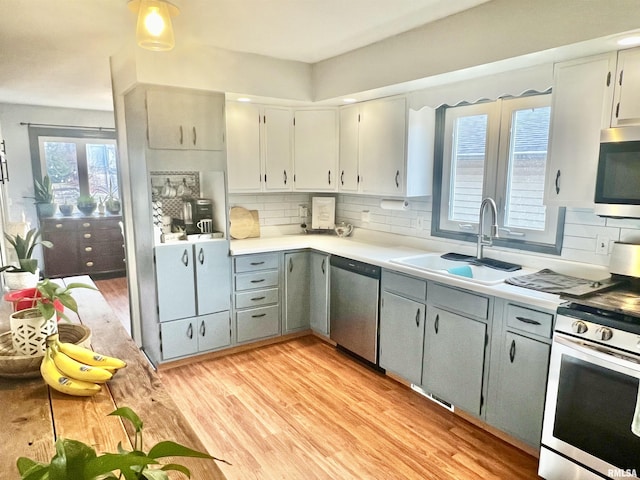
[198, 215]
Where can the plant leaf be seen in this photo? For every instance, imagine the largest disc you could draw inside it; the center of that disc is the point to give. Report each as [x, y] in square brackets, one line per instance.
[150, 474]
[77, 455]
[178, 468]
[129, 414]
[173, 449]
[28, 264]
[32, 470]
[109, 462]
[80, 285]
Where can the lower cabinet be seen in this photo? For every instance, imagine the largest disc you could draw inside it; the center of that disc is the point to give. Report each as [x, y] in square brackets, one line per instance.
[518, 373]
[319, 292]
[453, 365]
[257, 323]
[296, 291]
[189, 336]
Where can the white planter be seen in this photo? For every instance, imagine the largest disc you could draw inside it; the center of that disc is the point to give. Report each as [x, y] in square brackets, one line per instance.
[29, 331]
[21, 280]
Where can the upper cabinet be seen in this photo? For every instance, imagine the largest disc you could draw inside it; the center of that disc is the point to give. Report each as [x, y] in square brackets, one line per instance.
[580, 109]
[316, 150]
[185, 120]
[259, 157]
[385, 149]
[626, 105]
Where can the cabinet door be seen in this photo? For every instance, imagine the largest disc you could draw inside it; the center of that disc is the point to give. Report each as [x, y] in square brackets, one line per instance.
[243, 147]
[213, 276]
[319, 293]
[63, 259]
[520, 388]
[205, 122]
[627, 95]
[349, 127]
[453, 362]
[164, 117]
[179, 338]
[315, 150]
[277, 149]
[296, 287]
[382, 149]
[175, 282]
[582, 98]
[402, 336]
[214, 331]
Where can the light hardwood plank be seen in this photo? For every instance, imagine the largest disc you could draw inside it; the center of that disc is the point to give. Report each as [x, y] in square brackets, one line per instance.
[301, 409]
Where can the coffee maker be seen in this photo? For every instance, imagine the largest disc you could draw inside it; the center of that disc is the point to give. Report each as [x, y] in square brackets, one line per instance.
[195, 210]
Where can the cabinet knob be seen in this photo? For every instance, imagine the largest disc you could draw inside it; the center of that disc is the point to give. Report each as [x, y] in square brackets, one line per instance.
[86, 224]
[88, 249]
[87, 235]
[89, 264]
[58, 225]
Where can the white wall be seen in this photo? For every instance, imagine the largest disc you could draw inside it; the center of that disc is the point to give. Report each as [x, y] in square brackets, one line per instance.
[16, 137]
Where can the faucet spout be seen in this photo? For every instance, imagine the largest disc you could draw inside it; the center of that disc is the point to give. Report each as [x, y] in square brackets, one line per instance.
[484, 239]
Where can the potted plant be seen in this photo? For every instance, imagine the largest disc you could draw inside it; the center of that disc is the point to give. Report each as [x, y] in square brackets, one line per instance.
[112, 203]
[26, 274]
[44, 197]
[77, 460]
[86, 204]
[30, 327]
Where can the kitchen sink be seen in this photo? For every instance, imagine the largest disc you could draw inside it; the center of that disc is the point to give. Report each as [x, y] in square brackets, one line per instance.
[433, 262]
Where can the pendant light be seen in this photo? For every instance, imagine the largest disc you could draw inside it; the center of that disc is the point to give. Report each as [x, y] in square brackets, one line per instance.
[154, 30]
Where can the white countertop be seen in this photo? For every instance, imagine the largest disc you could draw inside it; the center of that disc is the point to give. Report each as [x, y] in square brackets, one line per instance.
[380, 254]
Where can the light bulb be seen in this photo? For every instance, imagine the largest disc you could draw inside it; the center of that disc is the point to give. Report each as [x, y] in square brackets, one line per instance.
[154, 30]
[153, 22]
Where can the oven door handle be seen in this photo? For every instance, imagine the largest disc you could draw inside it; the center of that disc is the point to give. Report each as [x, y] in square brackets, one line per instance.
[599, 351]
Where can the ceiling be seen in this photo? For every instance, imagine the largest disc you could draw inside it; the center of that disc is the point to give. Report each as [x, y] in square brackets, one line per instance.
[56, 52]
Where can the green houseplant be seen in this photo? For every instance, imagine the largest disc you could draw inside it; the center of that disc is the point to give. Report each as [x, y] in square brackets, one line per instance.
[86, 204]
[43, 191]
[78, 461]
[26, 273]
[112, 202]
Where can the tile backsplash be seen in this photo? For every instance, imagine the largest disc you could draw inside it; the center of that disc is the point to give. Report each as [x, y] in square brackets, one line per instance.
[583, 230]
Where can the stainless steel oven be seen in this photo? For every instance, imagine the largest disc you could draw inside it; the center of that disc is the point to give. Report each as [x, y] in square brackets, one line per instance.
[591, 427]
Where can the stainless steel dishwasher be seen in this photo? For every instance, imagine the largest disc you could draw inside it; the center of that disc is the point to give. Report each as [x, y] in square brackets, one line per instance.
[353, 307]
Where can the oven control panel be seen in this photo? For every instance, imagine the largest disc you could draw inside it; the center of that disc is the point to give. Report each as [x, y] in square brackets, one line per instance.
[598, 333]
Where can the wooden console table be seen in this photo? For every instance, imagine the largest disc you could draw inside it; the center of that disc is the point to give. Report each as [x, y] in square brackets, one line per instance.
[32, 416]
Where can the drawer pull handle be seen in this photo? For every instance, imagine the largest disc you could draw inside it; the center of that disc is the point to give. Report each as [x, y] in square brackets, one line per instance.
[257, 281]
[512, 351]
[87, 235]
[190, 331]
[418, 318]
[436, 323]
[202, 329]
[323, 265]
[528, 320]
[258, 315]
[58, 225]
[88, 249]
[89, 264]
[201, 256]
[290, 265]
[256, 263]
[185, 258]
[255, 299]
[86, 224]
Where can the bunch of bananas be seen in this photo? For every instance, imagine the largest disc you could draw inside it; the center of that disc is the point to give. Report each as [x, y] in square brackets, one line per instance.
[76, 370]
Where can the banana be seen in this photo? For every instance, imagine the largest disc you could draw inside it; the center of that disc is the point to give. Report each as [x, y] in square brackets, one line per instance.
[58, 381]
[87, 356]
[76, 370]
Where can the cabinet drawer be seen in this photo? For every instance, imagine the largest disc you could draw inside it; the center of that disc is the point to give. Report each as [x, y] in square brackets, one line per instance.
[58, 225]
[528, 320]
[257, 298]
[250, 263]
[102, 263]
[258, 323]
[100, 235]
[405, 286]
[460, 301]
[248, 281]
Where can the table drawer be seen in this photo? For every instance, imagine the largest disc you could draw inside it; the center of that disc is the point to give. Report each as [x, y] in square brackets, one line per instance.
[248, 281]
[460, 301]
[256, 298]
[528, 320]
[258, 323]
[250, 263]
[404, 285]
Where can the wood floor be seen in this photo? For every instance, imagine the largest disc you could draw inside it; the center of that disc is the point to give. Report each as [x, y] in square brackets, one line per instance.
[301, 410]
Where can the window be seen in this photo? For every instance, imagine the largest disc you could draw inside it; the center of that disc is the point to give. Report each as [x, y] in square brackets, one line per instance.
[498, 150]
[78, 162]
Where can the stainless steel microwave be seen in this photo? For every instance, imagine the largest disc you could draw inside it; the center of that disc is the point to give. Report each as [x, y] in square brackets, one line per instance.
[618, 179]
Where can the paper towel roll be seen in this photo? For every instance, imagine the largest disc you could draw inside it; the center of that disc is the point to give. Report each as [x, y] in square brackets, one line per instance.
[394, 204]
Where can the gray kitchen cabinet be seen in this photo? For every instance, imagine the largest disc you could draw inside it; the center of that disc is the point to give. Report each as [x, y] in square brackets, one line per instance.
[278, 158]
[518, 370]
[315, 150]
[402, 336]
[256, 293]
[189, 336]
[185, 120]
[319, 292]
[213, 276]
[175, 281]
[296, 288]
[580, 109]
[244, 161]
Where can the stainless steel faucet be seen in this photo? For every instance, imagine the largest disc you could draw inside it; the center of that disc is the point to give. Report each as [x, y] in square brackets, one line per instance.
[482, 238]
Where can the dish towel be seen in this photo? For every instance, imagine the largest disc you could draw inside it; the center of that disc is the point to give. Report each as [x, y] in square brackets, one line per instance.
[635, 423]
[462, 270]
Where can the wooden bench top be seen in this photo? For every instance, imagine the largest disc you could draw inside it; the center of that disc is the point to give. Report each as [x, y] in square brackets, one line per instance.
[32, 416]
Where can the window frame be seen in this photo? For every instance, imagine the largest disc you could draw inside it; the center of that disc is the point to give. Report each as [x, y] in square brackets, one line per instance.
[495, 175]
